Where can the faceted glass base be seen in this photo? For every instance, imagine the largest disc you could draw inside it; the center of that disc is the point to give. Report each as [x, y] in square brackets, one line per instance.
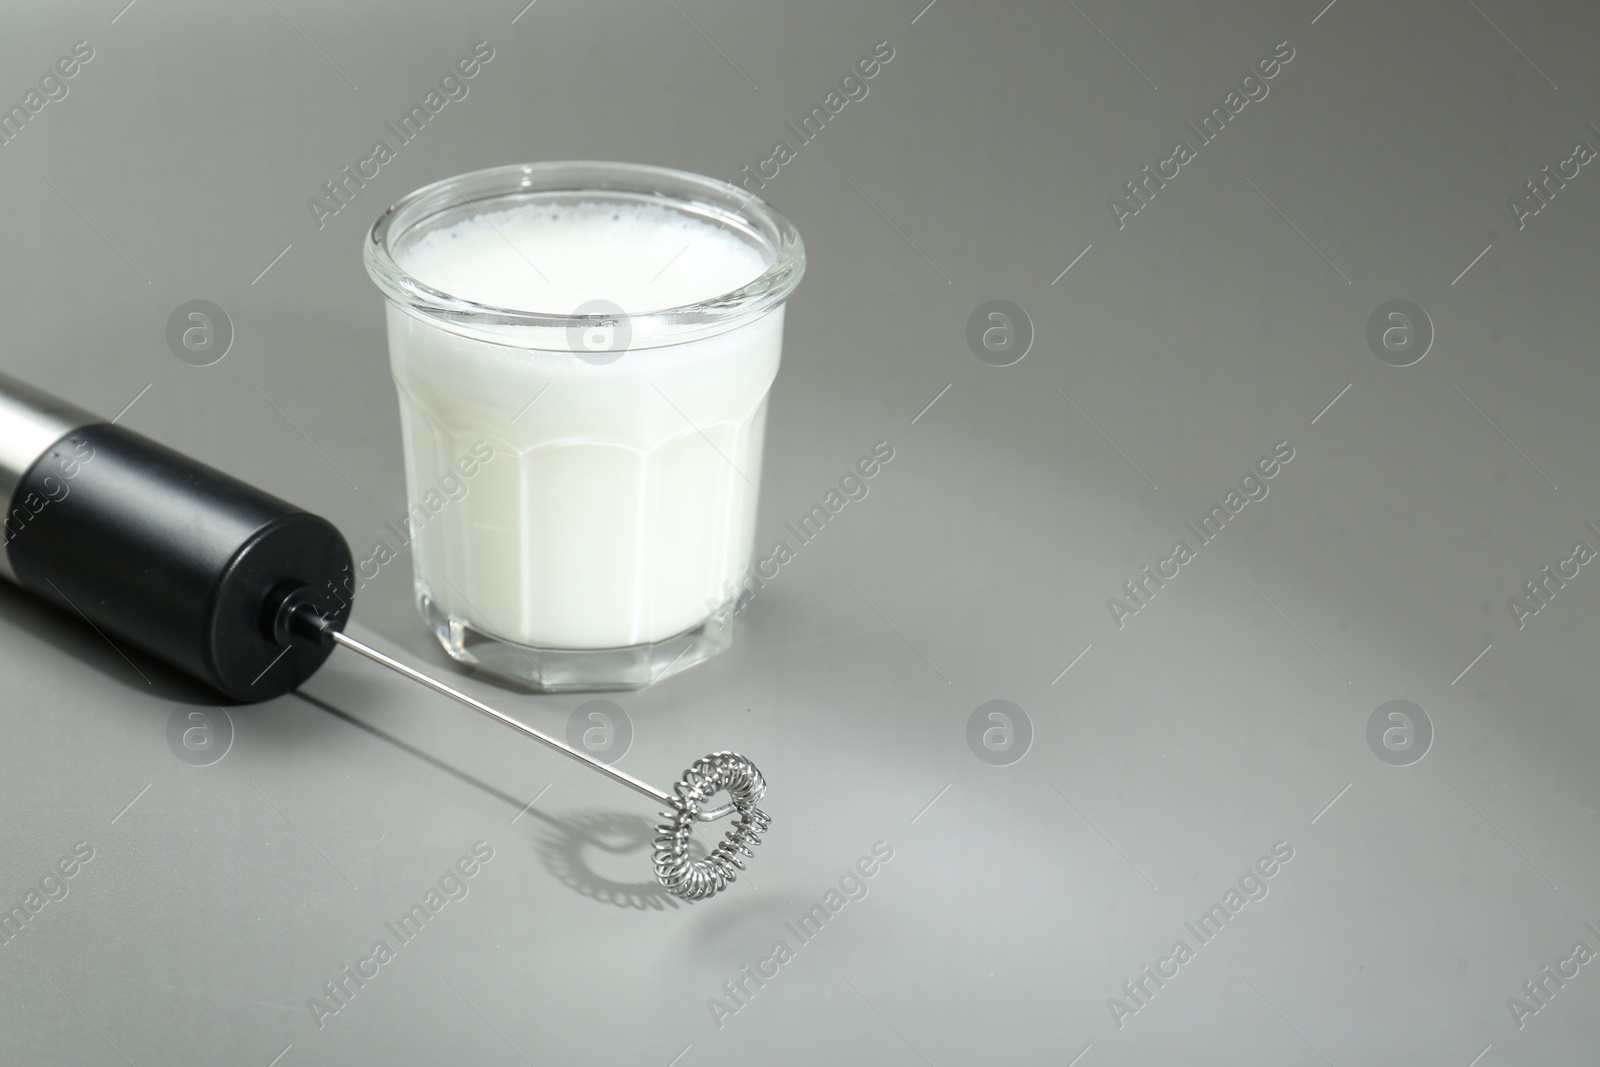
[560, 670]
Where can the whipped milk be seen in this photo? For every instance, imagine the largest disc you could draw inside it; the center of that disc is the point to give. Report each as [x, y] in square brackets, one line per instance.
[621, 496]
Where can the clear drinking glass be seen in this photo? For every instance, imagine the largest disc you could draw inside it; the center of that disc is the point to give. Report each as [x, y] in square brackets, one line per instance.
[582, 480]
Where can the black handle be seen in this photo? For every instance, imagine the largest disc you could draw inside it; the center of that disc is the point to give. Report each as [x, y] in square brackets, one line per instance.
[166, 553]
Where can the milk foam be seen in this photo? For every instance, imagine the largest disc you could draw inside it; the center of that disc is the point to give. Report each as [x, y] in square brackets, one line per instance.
[553, 258]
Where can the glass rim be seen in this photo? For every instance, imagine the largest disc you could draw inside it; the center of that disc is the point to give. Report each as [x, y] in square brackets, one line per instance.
[712, 199]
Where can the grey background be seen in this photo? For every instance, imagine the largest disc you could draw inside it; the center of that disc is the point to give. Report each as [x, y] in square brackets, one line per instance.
[1224, 717]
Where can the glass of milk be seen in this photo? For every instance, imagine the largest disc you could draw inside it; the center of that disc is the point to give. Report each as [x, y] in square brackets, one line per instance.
[582, 353]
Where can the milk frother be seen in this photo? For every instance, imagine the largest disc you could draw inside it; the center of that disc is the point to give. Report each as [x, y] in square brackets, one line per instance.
[251, 594]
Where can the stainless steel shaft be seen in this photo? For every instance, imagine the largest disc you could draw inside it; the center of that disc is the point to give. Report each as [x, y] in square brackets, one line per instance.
[658, 795]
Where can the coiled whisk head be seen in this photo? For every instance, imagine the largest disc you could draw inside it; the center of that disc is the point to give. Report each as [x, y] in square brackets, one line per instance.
[692, 879]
